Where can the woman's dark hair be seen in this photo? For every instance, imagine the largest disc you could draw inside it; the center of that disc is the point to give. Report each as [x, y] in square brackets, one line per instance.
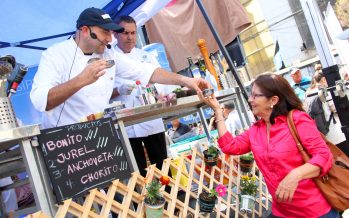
[275, 85]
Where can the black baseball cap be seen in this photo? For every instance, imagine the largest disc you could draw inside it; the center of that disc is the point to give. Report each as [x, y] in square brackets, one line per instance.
[97, 17]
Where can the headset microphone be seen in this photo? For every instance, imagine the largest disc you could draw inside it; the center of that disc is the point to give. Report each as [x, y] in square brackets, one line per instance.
[94, 36]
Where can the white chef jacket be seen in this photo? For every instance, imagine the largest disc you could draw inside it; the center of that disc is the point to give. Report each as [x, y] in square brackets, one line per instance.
[65, 60]
[233, 122]
[149, 127]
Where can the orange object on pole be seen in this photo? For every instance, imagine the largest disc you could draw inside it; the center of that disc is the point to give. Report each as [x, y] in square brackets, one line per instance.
[204, 52]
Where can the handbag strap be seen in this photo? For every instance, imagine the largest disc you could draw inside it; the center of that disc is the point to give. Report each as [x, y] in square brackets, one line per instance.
[296, 137]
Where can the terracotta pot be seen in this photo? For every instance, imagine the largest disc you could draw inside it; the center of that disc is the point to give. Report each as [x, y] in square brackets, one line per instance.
[154, 211]
[247, 204]
[209, 159]
[206, 202]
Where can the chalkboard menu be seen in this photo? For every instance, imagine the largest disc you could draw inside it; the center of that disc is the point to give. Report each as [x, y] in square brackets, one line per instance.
[83, 156]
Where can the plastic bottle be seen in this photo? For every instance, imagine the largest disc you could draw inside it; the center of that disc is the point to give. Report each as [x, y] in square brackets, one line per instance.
[202, 67]
[150, 96]
[194, 70]
[211, 79]
[141, 94]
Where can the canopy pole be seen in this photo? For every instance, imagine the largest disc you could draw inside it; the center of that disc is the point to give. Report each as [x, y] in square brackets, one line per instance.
[223, 49]
[330, 68]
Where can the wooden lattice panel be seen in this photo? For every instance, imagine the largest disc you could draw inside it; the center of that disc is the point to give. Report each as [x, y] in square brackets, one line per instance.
[181, 198]
[37, 215]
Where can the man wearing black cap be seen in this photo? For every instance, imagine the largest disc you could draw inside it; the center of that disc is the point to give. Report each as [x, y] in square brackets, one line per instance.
[75, 78]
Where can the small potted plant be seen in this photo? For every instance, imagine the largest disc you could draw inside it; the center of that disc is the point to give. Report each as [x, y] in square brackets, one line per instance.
[211, 156]
[207, 200]
[248, 191]
[154, 201]
[246, 162]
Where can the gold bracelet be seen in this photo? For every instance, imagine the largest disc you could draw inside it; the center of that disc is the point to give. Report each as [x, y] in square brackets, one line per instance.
[219, 120]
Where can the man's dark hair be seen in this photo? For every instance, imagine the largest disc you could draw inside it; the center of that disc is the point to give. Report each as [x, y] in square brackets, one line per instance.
[229, 105]
[126, 19]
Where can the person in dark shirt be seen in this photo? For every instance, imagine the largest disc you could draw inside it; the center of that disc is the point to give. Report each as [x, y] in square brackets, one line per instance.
[180, 131]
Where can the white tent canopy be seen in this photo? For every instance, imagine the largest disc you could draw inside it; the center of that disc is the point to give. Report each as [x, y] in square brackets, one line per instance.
[22, 21]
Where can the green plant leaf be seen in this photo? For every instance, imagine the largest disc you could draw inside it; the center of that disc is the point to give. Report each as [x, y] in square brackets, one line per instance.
[213, 151]
[248, 185]
[153, 191]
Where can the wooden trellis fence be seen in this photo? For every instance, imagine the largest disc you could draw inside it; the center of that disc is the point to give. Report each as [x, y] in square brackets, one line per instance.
[190, 178]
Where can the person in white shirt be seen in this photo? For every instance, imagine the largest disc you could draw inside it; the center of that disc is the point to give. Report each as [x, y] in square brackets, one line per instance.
[151, 134]
[74, 78]
[232, 119]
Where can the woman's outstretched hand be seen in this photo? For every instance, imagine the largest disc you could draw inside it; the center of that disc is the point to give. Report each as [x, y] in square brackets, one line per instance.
[210, 100]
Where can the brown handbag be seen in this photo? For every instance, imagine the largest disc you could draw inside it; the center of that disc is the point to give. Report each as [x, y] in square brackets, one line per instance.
[335, 184]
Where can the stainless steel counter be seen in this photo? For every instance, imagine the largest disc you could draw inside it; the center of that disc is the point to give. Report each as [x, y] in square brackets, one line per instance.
[11, 137]
[184, 106]
[25, 157]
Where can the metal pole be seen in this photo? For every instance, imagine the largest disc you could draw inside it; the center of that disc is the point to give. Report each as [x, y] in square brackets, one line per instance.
[331, 71]
[312, 14]
[247, 73]
[39, 180]
[203, 120]
[342, 104]
[238, 109]
[121, 129]
[244, 111]
[223, 49]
